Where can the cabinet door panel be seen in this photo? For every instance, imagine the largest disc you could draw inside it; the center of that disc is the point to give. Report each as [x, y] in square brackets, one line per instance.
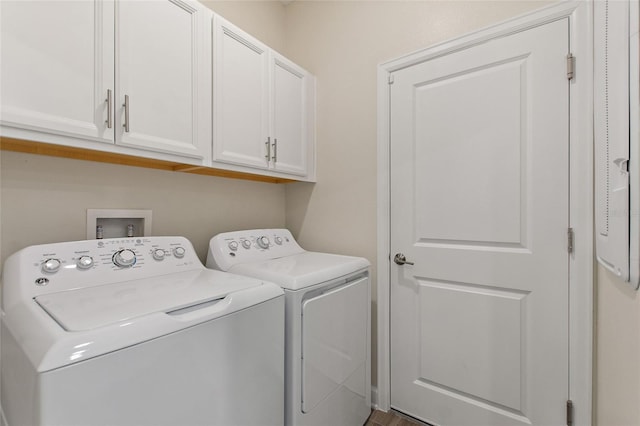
[289, 116]
[162, 71]
[241, 90]
[57, 65]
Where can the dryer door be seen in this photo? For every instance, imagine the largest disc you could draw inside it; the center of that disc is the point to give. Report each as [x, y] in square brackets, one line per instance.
[334, 343]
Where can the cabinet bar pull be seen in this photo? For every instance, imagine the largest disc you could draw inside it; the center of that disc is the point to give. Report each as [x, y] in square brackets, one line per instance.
[109, 102]
[268, 144]
[275, 150]
[126, 113]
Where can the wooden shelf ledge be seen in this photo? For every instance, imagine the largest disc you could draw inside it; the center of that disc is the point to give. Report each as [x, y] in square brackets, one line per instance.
[51, 150]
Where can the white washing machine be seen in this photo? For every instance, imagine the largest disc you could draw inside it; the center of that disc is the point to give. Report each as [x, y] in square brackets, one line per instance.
[137, 332]
[327, 336]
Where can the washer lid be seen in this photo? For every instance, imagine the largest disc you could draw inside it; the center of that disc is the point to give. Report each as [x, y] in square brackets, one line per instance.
[93, 307]
[302, 270]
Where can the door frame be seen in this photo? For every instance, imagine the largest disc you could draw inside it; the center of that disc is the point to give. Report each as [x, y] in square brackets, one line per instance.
[581, 272]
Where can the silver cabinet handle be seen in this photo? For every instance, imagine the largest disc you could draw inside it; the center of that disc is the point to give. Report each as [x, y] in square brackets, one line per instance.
[275, 150]
[267, 156]
[126, 113]
[401, 260]
[109, 102]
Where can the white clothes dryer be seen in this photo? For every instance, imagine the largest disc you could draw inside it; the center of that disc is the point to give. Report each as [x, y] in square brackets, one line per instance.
[137, 331]
[327, 338]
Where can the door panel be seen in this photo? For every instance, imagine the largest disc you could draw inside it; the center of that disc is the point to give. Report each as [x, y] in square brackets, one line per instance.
[479, 202]
[334, 343]
[289, 116]
[241, 97]
[486, 319]
[56, 66]
[459, 136]
[161, 70]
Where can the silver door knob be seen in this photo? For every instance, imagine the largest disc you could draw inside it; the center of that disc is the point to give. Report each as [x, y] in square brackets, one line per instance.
[401, 260]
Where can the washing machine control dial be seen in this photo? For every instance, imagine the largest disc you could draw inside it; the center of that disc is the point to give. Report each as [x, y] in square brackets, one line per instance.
[179, 252]
[124, 258]
[233, 245]
[246, 244]
[158, 254]
[278, 240]
[263, 242]
[84, 262]
[51, 266]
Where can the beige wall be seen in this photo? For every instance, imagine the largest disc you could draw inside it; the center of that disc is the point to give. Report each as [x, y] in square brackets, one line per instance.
[617, 357]
[265, 20]
[45, 200]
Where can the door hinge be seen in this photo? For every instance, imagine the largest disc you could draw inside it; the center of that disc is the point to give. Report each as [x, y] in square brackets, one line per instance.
[390, 79]
[570, 236]
[569, 412]
[571, 66]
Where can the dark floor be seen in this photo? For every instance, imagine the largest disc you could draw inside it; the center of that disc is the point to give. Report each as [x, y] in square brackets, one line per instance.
[380, 418]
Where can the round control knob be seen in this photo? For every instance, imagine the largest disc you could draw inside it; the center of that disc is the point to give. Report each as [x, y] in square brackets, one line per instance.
[179, 252]
[51, 265]
[233, 245]
[263, 242]
[124, 258]
[246, 244]
[278, 241]
[84, 262]
[158, 254]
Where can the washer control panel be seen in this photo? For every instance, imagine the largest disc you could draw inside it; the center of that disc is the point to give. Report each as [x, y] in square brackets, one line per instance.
[254, 245]
[64, 266]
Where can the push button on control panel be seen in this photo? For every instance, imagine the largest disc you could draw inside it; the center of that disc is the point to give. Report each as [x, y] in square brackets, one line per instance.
[179, 252]
[158, 254]
[51, 266]
[124, 258]
[84, 262]
[263, 242]
[42, 281]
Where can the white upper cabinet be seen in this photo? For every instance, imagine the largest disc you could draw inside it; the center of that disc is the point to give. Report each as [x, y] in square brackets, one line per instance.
[292, 99]
[163, 76]
[240, 97]
[69, 69]
[263, 106]
[153, 79]
[57, 65]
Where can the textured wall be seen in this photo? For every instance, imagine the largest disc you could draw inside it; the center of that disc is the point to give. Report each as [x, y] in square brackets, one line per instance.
[617, 354]
[45, 200]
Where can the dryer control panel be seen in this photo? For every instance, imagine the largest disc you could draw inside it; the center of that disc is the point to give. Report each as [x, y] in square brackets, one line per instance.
[254, 245]
[57, 267]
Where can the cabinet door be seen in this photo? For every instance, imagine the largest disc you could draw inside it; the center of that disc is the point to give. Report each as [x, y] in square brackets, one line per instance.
[289, 116]
[162, 76]
[241, 93]
[57, 65]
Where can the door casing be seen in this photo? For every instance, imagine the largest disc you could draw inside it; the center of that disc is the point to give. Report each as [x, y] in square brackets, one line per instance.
[581, 274]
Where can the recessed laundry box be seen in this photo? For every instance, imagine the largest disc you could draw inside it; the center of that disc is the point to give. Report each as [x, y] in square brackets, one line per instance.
[327, 336]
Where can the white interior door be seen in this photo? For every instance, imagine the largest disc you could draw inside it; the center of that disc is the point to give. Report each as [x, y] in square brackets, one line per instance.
[480, 205]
